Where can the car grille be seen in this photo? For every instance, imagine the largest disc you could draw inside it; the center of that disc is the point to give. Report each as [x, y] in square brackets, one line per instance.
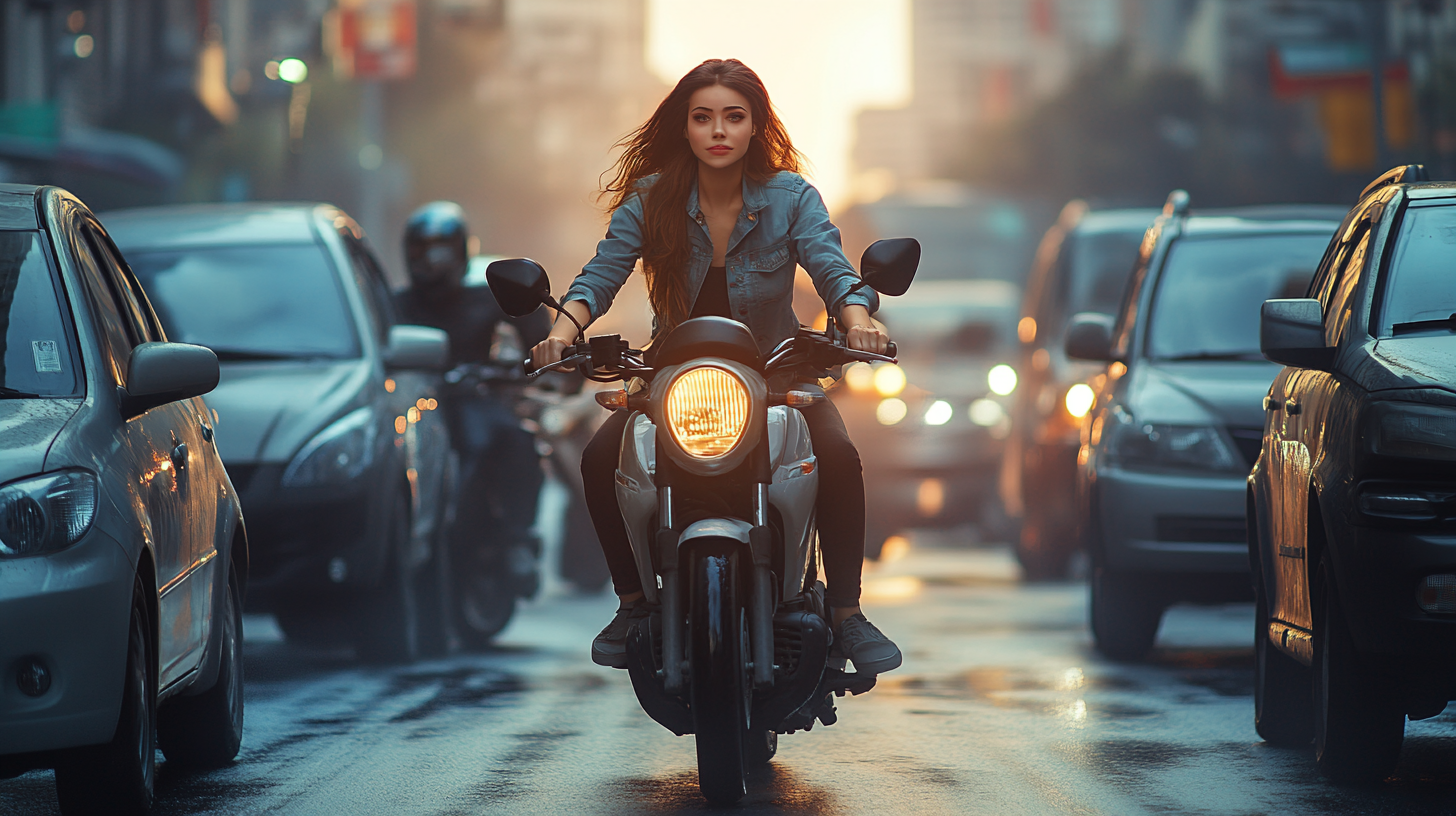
[1200, 529]
[1248, 441]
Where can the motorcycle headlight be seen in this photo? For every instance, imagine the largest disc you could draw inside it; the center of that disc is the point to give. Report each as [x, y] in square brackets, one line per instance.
[707, 412]
[46, 514]
[1179, 447]
[1412, 430]
[337, 454]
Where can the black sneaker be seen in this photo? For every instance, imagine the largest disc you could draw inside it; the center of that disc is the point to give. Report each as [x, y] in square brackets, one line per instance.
[610, 647]
[865, 646]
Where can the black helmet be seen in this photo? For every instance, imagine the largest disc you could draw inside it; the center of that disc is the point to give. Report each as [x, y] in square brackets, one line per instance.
[436, 244]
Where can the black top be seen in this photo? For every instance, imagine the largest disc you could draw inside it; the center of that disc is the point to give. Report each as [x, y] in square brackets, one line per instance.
[713, 296]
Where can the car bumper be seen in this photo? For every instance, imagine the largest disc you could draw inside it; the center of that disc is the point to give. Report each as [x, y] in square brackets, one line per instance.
[1378, 572]
[70, 612]
[1162, 522]
[309, 539]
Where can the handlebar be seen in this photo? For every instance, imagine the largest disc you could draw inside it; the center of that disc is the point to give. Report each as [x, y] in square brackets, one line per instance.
[609, 358]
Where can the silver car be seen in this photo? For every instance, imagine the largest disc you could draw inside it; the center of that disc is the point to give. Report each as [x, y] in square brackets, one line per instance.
[122, 553]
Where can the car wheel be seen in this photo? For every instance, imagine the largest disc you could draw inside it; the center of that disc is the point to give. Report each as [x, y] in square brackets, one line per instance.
[484, 604]
[117, 778]
[433, 590]
[387, 619]
[206, 731]
[1125, 614]
[1358, 727]
[1283, 711]
[1044, 550]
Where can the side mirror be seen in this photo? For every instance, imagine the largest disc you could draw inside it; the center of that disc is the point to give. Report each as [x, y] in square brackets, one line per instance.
[159, 373]
[520, 285]
[1292, 333]
[889, 266]
[417, 347]
[1089, 337]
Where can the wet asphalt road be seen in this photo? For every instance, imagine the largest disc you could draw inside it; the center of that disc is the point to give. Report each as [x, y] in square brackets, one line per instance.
[1001, 708]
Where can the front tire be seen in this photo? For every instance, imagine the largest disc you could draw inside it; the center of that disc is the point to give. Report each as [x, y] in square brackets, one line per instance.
[484, 604]
[206, 731]
[1283, 710]
[387, 618]
[1125, 616]
[719, 688]
[1358, 729]
[117, 778]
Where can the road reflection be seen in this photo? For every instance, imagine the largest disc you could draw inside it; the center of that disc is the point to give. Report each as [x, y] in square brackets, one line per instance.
[773, 789]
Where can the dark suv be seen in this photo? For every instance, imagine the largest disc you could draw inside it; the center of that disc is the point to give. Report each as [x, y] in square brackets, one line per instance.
[1082, 265]
[1352, 504]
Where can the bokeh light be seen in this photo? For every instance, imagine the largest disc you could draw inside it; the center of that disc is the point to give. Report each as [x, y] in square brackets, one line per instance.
[889, 380]
[891, 411]
[1079, 400]
[1001, 379]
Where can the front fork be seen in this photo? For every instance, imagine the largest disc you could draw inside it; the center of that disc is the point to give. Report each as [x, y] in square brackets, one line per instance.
[760, 597]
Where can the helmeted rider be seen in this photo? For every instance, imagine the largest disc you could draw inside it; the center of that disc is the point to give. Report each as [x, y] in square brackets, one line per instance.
[497, 455]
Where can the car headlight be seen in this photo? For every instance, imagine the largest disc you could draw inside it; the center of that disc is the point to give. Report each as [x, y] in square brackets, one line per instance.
[1180, 447]
[1079, 399]
[337, 454]
[707, 412]
[45, 514]
[1412, 430]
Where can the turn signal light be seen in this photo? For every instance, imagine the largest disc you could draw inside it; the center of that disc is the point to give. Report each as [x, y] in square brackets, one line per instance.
[802, 399]
[612, 400]
[1437, 594]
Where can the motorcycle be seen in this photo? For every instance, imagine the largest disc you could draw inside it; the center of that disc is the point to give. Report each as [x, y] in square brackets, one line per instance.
[717, 484]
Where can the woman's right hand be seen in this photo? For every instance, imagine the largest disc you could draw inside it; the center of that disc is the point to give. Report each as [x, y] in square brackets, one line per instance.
[548, 352]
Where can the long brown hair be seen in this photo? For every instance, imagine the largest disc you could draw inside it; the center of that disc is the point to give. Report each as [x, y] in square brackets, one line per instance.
[658, 146]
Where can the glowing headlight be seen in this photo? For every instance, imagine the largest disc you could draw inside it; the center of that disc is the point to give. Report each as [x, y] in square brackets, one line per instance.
[707, 411]
[889, 380]
[1079, 400]
[1001, 379]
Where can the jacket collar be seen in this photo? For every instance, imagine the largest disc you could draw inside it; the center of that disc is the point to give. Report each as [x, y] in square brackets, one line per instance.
[755, 197]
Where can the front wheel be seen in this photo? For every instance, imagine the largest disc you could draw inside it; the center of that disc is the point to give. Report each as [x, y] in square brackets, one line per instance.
[117, 778]
[387, 619]
[1358, 728]
[206, 731]
[1282, 707]
[720, 691]
[1125, 615]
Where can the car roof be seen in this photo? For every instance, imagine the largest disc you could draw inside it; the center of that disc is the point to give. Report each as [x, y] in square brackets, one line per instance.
[1437, 189]
[17, 207]
[972, 295]
[192, 225]
[1270, 219]
[1105, 221]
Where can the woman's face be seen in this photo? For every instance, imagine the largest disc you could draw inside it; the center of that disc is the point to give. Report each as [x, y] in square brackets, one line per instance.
[720, 125]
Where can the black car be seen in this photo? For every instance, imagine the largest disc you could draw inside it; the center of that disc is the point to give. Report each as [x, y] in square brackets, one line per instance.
[1352, 503]
[1174, 426]
[1082, 265]
[326, 413]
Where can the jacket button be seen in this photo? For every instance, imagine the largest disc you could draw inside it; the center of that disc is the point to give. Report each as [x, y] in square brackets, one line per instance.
[752, 217]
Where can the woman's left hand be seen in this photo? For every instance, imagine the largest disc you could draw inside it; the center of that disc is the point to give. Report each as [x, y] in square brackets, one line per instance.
[868, 338]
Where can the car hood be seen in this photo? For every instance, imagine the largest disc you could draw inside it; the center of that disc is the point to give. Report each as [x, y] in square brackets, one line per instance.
[27, 429]
[1227, 393]
[267, 410]
[1427, 361]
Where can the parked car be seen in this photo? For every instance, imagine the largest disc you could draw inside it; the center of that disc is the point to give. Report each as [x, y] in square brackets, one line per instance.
[123, 557]
[1176, 417]
[1082, 265]
[1350, 502]
[326, 413]
[932, 427]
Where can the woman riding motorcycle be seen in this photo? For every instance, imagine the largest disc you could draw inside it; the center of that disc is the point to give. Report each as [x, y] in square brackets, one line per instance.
[708, 196]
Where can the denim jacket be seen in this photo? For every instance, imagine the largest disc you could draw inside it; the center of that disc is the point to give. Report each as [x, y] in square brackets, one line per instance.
[783, 223]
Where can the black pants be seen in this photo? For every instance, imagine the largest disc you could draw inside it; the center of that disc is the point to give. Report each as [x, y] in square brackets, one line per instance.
[841, 505]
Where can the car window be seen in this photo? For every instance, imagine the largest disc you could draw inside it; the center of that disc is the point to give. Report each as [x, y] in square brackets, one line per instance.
[1418, 290]
[39, 346]
[371, 284]
[1210, 291]
[113, 330]
[1100, 265]
[134, 307]
[1340, 301]
[272, 301]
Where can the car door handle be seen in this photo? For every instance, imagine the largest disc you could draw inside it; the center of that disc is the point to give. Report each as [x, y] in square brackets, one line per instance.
[179, 456]
[1291, 407]
[1271, 404]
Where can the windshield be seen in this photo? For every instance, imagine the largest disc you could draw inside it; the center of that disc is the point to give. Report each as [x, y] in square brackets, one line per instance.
[1211, 290]
[1100, 266]
[38, 358]
[1419, 284]
[253, 302]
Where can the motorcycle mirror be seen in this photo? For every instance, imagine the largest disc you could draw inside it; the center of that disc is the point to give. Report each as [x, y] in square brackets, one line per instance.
[888, 266]
[520, 285]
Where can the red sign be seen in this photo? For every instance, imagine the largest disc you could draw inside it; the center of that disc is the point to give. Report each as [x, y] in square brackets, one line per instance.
[375, 39]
